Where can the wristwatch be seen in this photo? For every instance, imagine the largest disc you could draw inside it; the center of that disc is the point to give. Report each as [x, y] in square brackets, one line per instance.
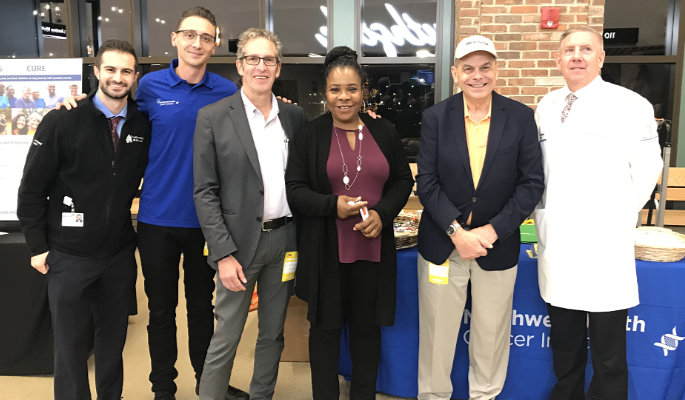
[452, 229]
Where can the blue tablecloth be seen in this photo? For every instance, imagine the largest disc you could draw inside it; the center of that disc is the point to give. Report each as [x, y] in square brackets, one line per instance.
[655, 331]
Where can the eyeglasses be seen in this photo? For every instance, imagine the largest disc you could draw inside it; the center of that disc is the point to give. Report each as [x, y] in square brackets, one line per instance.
[254, 60]
[191, 35]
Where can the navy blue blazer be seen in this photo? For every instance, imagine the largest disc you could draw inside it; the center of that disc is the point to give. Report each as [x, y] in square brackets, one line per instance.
[510, 185]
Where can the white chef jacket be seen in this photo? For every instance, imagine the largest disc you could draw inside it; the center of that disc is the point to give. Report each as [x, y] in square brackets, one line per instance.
[601, 166]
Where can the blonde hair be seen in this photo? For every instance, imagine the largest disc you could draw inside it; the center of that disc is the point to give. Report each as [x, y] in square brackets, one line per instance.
[583, 28]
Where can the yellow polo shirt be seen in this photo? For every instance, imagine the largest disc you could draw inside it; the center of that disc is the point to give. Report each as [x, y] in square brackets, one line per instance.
[477, 141]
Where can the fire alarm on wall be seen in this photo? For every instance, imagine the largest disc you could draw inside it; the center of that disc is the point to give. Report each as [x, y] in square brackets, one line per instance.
[549, 18]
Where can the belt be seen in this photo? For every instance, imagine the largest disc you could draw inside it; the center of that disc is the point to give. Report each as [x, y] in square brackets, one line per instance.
[275, 223]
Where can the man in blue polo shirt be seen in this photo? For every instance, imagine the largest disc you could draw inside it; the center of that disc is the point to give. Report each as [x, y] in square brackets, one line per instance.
[167, 222]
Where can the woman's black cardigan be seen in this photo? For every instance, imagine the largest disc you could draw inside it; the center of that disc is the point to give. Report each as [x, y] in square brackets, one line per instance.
[315, 211]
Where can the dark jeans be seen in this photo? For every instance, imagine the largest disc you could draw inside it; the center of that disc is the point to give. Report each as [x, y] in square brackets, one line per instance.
[87, 294]
[568, 340]
[160, 252]
[358, 308]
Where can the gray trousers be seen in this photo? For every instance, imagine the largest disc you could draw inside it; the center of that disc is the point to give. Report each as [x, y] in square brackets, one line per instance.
[231, 311]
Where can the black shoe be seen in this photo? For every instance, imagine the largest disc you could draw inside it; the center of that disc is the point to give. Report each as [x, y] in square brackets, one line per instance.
[164, 396]
[233, 393]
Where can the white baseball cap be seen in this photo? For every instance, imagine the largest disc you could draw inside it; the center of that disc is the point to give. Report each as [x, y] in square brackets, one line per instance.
[474, 43]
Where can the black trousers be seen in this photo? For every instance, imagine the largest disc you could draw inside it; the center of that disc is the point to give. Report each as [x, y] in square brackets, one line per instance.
[160, 253]
[358, 286]
[568, 340]
[86, 294]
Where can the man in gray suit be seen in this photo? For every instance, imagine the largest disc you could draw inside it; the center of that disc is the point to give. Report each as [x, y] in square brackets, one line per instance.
[240, 151]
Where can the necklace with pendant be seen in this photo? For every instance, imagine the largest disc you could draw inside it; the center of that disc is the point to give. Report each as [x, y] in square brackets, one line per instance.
[346, 179]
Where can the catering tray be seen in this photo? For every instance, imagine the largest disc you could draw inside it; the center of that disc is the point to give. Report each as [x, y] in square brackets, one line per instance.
[406, 227]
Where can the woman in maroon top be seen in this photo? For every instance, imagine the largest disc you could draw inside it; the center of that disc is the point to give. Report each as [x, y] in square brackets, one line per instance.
[339, 164]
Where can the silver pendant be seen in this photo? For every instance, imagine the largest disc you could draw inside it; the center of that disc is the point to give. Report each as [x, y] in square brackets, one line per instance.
[346, 180]
[359, 168]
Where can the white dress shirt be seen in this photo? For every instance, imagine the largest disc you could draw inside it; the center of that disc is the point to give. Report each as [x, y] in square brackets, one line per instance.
[272, 150]
[601, 165]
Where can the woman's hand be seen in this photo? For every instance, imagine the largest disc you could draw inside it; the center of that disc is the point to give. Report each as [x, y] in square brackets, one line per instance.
[371, 227]
[345, 209]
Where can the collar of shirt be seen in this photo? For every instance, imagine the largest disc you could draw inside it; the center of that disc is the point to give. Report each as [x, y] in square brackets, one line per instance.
[108, 114]
[101, 106]
[467, 114]
[272, 151]
[252, 111]
[174, 79]
[585, 91]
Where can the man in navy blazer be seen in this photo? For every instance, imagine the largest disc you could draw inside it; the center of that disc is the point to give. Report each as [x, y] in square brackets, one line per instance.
[479, 176]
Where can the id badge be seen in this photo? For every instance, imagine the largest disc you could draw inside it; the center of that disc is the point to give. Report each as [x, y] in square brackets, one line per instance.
[72, 219]
[439, 273]
[289, 266]
[364, 213]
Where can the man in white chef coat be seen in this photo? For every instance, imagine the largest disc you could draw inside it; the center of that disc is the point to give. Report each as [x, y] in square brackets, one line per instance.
[599, 142]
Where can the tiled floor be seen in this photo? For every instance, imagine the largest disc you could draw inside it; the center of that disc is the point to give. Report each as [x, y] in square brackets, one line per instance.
[293, 378]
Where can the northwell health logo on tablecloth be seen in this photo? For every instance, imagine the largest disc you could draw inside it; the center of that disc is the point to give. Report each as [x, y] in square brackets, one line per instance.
[535, 329]
[531, 331]
[669, 341]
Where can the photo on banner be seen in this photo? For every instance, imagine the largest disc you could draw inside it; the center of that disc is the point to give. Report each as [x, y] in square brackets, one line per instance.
[29, 89]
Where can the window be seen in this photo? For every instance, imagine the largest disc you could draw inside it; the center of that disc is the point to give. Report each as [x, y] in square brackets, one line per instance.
[401, 93]
[647, 47]
[301, 25]
[232, 17]
[630, 33]
[398, 29]
[53, 26]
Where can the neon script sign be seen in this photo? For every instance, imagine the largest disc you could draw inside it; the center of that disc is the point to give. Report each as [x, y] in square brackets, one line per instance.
[405, 30]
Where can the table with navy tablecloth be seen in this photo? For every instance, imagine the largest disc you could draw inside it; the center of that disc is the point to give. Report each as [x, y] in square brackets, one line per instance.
[655, 332]
[25, 328]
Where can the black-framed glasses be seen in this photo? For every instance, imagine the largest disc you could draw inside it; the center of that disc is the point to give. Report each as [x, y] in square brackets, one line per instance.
[269, 61]
[191, 35]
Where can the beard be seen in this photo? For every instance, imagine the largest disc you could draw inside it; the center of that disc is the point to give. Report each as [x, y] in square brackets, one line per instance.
[111, 95]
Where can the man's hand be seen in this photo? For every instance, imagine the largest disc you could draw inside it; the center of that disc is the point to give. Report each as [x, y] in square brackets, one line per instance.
[373, 114]
[285, 100]
[231, 274]
[38, 262]
[70, 102]
[371, 227]
[470, 245]
[346, 210]
[487, 233]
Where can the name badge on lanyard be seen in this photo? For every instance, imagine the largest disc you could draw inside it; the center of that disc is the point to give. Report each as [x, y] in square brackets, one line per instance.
[71, 219]
[439, 274]
[289, 266]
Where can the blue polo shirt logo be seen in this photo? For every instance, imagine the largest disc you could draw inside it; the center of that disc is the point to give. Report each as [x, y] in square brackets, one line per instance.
[161, 102]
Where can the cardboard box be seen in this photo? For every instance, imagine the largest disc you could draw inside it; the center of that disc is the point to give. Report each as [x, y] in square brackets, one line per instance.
[296, 332]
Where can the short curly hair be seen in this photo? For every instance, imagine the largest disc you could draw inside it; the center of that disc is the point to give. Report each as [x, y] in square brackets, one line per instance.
[253, 33]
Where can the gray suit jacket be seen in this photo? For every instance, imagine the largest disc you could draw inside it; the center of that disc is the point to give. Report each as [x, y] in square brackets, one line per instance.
[228, 187]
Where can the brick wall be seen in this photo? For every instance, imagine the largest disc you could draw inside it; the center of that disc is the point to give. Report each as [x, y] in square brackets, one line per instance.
[527, 70]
